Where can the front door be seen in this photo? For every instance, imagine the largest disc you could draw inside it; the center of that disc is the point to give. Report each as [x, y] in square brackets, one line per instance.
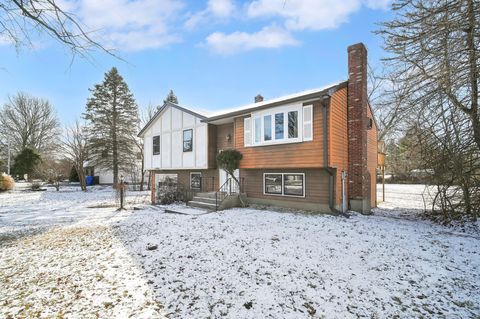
[223, 176]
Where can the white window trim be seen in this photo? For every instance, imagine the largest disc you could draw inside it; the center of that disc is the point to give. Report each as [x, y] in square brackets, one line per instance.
[183, 138]
[286, 140]
[283, 184]
[197, 173]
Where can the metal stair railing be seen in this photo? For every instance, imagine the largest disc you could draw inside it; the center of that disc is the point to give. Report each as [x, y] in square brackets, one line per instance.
[228, 188]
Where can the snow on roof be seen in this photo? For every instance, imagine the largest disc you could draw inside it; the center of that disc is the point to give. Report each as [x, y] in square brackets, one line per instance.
[275, 100]
[208, 115]
[196, 112]
[199, 111]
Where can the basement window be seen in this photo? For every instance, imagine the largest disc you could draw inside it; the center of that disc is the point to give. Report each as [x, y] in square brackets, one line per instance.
[284, 184]
[273, 184]
[195, 180]
[293, 184]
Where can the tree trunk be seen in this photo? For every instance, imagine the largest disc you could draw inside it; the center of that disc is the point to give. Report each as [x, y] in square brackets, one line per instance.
[81, 177]
[472, 59]
[114, 140]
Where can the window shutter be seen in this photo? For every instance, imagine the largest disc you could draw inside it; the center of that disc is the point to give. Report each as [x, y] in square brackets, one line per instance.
[247, 131]
[308, 123]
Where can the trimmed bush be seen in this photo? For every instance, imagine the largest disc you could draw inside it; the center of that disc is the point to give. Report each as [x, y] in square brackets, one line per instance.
[6, 182]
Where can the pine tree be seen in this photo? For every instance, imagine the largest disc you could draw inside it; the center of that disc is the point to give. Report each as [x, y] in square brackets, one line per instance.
[112, 117]
[171, 97]
[26, 162]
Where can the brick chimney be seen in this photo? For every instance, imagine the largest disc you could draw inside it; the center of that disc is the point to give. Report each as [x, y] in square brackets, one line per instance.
[258, 98]
[358, 176]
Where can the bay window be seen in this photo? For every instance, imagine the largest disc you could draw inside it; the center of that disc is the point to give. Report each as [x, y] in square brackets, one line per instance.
[293, 124]
[267, 127]
[280, 125]
[258, 129]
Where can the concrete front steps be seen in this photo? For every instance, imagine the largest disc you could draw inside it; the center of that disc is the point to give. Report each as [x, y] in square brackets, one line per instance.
[203, 200]
[207, 201]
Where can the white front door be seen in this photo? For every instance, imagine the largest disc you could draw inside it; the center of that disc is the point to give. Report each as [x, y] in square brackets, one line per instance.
[223, 176]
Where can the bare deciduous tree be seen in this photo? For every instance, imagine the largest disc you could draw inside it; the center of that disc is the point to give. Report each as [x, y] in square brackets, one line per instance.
[21, 19]
[145, 116]
[386, 98]
[75, 148]
[27, 121]
[435, 53]
[434, 65]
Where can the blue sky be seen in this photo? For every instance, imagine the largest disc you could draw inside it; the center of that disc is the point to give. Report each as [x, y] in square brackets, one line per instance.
[214, 54]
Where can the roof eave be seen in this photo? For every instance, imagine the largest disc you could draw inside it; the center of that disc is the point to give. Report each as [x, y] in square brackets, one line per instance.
[309, 96]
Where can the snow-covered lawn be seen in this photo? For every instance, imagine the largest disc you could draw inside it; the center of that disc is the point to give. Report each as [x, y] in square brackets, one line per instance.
[242, 263]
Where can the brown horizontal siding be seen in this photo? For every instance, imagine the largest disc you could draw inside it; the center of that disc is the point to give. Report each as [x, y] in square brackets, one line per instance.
[212, 146]
[338, 139]
[316, 184]
[223, 131]
[295, 155]
[372, 159]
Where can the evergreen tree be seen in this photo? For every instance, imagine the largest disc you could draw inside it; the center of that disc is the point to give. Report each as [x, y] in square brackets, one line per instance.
[112, 117]
[171, 97]
[73, 175]
[25, 162]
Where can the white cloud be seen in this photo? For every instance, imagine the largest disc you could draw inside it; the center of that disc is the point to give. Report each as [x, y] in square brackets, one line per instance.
[308, 14]
[130, 25]
[378, 4]
[221, 8]
[216, 9]
[268, 37]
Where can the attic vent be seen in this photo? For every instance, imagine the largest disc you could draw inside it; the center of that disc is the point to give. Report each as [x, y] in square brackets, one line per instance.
[258, 98]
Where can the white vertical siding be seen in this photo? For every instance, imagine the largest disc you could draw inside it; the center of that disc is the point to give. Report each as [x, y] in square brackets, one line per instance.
[170, 126]
[166, 150]
[199, 139]
[177, 149]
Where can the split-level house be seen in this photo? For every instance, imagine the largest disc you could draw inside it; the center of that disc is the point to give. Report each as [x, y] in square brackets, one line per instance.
[313, 150]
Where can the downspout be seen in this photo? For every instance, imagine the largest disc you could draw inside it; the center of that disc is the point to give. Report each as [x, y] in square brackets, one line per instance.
[325, 100]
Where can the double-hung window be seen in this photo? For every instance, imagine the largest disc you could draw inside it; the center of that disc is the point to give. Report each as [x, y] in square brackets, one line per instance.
[279, 126]
[188, 140]
[267, 128]
[293, 124]
[156, 145]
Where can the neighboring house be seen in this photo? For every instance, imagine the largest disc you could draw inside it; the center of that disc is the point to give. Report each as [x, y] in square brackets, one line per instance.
[104, 176]
[314, 150]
